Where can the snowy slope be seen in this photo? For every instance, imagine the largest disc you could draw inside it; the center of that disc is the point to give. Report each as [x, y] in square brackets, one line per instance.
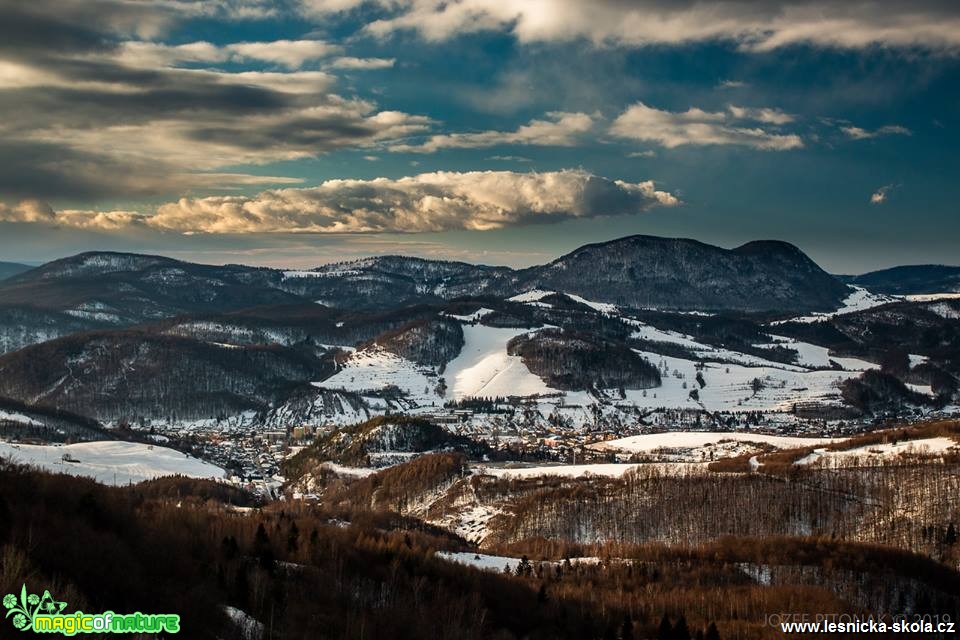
[13, 416]
[483, 368]
[859, 300]
[376, 369]
[703, 351]
[729, 387]
[117, 463]
[813, 356]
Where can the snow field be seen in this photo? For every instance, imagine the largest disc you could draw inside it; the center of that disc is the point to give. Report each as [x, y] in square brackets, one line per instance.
[928, 446]
[111, 462]
[697, 439]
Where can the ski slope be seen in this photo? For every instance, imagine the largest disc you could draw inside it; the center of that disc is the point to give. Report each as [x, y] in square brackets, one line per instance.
[112, 462]
[484, 369]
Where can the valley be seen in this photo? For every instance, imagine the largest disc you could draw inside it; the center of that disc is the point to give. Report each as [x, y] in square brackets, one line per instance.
[515, 422]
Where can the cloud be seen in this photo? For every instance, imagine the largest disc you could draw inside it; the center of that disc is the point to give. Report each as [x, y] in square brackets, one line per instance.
[765, 115]
[90, 115]
[27, 211]
[733, 84]
[558, 129]
[347, 62]
[510, 159]
[857, 133]
[754, 26]
[440, 201]
[698, 127]
[291, 54]
[880, 195]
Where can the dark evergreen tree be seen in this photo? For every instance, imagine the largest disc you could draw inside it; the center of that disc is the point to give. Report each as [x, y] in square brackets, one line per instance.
[712, 632]
[950, 537]
[666, 629]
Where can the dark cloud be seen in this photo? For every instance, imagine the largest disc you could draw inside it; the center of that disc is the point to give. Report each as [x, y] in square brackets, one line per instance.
[86, 117]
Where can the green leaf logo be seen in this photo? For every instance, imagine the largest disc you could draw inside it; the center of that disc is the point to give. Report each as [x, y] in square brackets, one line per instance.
[25, 609]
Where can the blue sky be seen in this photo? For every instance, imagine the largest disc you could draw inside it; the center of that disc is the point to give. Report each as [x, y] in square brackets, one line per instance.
[299, 132]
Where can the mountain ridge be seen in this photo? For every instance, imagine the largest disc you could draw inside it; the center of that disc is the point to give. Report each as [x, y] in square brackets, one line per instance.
[910, 279]
[637, 271]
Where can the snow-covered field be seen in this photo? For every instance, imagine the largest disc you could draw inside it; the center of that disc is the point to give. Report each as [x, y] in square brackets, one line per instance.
[607, 470]
[496, 563]
[930, 297]
[480, 560]
[697, 439]
[929, 446]
[730, 387]
[473, 317]
[112, 462]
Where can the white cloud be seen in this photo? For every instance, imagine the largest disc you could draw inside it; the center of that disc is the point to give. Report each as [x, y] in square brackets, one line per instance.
[27, 211]
[857, 133]
[478, 200]
[732, 84]
[755, 26]
[347, 62]
[559, 129]
[765, 115]
[880, 195]
[698, 127]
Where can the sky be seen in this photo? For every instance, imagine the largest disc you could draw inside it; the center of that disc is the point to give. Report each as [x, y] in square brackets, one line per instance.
[299, 132]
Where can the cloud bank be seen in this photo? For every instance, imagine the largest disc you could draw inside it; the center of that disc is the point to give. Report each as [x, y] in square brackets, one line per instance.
[754, 26]
[440, 201]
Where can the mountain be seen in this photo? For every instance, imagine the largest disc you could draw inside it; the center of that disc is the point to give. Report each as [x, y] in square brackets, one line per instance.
[635, 271]
[9, 269]
[908, 280]
[125, 289]
[667, 273]
[397, 280]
